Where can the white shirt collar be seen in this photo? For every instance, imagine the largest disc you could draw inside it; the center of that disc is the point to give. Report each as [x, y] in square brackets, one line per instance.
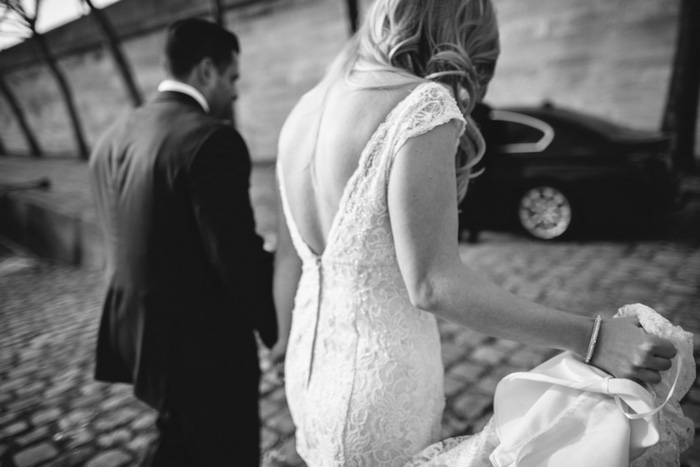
[184, 88]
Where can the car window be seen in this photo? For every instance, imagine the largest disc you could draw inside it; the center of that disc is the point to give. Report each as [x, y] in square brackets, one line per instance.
[573, 138]
[514, 133]
[571, 130]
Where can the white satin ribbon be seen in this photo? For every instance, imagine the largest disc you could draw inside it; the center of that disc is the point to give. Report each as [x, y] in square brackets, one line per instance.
[571, 399]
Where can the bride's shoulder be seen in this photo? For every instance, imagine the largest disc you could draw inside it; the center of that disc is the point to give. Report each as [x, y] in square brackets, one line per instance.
[309, 103]
[303, 112]
[416, 95]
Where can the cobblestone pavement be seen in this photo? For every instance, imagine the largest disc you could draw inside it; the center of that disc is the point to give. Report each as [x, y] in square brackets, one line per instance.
[53, 414]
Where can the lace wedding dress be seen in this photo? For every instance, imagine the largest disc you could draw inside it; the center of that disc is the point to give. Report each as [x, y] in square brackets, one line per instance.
[364, 375]
[363, 371]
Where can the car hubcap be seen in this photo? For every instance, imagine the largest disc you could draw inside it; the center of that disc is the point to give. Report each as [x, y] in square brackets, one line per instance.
[545, 212]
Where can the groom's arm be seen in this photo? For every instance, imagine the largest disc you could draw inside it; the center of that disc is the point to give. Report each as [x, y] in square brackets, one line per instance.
[219, 182]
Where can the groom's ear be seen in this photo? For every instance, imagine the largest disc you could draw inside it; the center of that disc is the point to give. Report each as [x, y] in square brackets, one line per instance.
[206, 72]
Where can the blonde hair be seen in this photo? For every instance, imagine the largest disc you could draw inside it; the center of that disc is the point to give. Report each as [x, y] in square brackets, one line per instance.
[454, 42]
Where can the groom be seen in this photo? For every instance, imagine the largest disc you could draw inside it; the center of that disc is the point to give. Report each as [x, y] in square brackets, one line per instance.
[188, 279]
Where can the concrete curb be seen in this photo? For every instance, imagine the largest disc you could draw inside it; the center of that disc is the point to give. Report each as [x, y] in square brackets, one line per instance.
[53, 235]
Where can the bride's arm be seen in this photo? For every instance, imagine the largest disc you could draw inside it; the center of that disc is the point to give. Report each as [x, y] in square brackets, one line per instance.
[423, 212]
[285, 281]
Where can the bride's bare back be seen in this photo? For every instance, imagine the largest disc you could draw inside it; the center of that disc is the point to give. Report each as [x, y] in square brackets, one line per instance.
[320, 147]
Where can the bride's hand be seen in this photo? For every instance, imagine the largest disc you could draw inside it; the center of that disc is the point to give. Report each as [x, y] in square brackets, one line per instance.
[625, 350]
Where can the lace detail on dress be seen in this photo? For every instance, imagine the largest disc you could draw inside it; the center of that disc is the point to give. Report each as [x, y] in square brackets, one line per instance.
[433, 107]
[363, 368]
[461, 451]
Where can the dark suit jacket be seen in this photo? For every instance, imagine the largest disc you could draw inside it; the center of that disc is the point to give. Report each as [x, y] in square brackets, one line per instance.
[188, 279]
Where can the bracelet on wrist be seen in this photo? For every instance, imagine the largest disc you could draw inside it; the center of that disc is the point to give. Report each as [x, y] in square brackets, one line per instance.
[594, 339]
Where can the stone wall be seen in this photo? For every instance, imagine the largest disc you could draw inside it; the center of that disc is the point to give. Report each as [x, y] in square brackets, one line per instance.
[611, 58]
[286, 45]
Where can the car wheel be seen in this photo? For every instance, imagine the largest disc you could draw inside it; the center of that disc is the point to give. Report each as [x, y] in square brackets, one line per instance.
[545, 212]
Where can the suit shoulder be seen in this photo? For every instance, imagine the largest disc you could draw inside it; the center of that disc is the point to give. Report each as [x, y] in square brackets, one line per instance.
[221, 142]
[224, 133]
[116, 132]
[189, 132]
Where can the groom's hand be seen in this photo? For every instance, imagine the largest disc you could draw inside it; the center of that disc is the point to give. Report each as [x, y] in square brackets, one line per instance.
[272, 362]
[278, 352]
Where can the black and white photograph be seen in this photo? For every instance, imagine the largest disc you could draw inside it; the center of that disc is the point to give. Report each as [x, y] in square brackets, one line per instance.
[349, 233]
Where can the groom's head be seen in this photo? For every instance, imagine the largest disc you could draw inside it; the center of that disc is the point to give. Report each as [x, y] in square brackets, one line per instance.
[205, 56]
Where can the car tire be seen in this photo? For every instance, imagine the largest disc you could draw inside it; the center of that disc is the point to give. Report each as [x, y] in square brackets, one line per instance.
[545, 211]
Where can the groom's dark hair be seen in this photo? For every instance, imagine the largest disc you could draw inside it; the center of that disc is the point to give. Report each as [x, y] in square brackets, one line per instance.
[193, 39]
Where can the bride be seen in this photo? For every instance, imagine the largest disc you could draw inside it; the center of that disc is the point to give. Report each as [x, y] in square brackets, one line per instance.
[372, 163]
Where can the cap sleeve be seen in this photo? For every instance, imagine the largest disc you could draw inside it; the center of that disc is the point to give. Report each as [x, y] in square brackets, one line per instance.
[431, 105]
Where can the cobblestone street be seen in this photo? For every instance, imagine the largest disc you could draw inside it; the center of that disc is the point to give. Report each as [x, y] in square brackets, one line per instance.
[52, 413]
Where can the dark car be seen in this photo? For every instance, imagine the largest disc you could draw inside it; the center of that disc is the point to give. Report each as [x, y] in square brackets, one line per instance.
[551, 171]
